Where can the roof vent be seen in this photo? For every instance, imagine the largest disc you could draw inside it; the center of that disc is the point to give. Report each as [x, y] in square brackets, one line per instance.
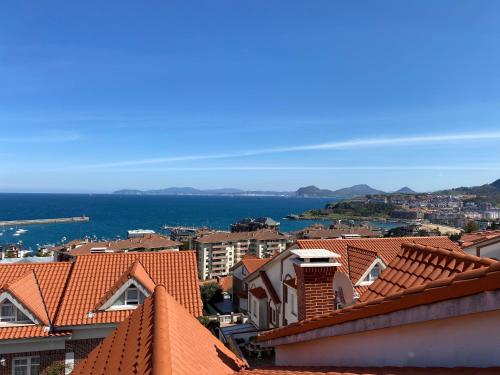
[315, 258]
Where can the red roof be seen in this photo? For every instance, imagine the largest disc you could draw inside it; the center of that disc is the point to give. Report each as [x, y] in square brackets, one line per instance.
[98, 274]
[416, 265]
[252, 263]
[51, 279]
[226, 283]
[385, 248]
[471, 239]
[26, 290]
[160, 337]
[358, 261]
[411, 285]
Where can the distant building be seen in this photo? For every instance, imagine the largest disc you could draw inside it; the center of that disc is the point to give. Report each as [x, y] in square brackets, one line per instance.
[146, 242]
[136, 233]
[249, 225]
[407, 214]
[10, 251]
[218, 252]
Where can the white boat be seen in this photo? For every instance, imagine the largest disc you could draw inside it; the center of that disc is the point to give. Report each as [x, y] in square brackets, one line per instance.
[16, 234]
[20, 231]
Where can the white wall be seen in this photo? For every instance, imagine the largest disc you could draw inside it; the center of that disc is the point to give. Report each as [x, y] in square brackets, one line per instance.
[489, 251]
[469, 341]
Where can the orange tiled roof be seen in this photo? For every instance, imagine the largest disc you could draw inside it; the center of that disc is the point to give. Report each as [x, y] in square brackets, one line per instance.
[479, 275]
[51, 279]
[416, 265]
[258, 292]
[26, 290]
[269, 287]
[94, 275]
[386, 248]
[137, 272]
[28, 331]
[251, 263]
[358, 261]
[470, 239]
[369, 371]
[226, 283]
[148, 242]
[160, 337]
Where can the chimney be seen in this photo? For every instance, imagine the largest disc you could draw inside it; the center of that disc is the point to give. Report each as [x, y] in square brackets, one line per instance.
[314, 269]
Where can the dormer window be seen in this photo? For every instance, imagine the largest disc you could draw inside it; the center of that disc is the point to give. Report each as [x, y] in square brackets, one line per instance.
[373, 274]
[11, 314]
[132, 296]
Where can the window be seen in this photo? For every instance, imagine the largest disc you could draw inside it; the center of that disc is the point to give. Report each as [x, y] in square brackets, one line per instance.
[273, 315]
[374, 273]
[293, 306]
[10, 313]
[254, 307]
[132, 296]
[26, 366]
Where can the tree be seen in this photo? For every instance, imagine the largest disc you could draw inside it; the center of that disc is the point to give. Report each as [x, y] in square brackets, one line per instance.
[57, 368]
[211, 293]
[471, 227]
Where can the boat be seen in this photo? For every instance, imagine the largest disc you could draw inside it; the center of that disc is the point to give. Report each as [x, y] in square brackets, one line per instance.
[20, 231]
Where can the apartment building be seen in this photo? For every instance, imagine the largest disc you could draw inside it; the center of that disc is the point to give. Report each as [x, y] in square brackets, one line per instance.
[319, 276]
[218, 252]
[59, 312]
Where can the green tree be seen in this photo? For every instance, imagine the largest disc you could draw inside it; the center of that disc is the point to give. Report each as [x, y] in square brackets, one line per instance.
[211, 293]
[471, 227]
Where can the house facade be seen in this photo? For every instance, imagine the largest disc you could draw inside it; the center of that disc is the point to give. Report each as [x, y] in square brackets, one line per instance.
[59, 312]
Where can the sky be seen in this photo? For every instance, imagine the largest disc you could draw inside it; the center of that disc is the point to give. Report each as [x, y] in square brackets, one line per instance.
[97, 96]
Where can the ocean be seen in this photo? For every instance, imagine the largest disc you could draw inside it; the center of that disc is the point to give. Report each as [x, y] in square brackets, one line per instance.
[112, 215]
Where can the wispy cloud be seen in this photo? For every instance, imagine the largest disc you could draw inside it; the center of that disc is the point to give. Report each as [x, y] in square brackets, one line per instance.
[430, 167]
[49, 137]
[358, 143]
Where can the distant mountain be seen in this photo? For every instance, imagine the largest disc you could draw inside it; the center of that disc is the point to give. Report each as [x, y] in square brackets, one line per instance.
[405, 190]
[353, 191]
[192, 191]
[496, 184]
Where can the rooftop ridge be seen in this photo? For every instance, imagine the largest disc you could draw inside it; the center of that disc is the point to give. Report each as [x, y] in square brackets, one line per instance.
[161, 356]
[178, 253]
[24, 282]
[448, 253]
[461, 285]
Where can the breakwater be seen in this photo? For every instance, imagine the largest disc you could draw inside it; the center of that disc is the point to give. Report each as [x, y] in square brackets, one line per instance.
[77, 219]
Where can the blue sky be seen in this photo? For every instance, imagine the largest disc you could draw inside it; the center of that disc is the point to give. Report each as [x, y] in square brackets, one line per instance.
[97, 96]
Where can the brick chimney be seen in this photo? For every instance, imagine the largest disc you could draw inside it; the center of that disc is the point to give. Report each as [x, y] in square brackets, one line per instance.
[315, 269]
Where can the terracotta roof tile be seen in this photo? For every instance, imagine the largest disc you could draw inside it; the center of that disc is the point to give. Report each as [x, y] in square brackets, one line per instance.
[387, 295]
[226, 283]
[51, 278]
[251, 263]
[28, 331]
[258, 235]
[416, 265]
[159, 338]
[358, 261]
[137, 272]
[470, 239]
[94, 275]
[385, 248]
[26, 290]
